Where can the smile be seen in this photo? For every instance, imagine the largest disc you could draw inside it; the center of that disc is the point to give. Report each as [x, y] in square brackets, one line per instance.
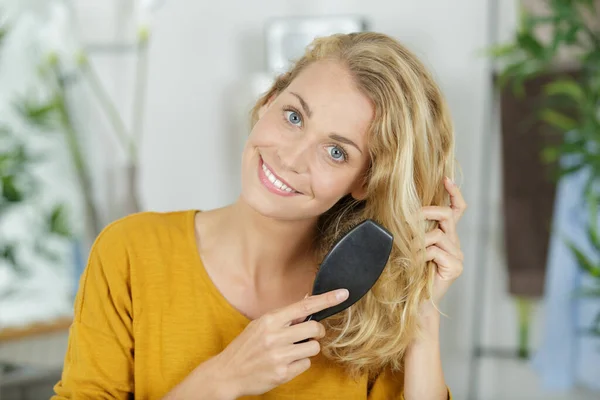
[273, 182]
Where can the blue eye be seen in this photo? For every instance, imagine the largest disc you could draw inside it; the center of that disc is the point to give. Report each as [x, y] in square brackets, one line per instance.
[293, 118]
[336, 153]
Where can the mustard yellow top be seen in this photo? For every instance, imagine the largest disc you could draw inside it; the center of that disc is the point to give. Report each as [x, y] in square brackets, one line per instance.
[147, 314]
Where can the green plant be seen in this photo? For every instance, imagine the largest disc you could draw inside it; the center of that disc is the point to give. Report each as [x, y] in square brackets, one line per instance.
[2, 34]
[47, 108]
[51, 113]
[62, 63]
[571, 103]
[18, 187]
[3, 26]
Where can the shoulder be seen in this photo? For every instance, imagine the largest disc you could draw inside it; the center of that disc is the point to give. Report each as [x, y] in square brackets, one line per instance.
[147, 224]
[145, 230]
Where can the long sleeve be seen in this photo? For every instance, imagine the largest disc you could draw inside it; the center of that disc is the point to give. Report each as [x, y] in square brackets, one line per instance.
[390, 386]
[99, 359]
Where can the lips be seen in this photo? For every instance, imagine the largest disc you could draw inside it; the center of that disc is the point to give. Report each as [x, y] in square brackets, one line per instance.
[274, 182]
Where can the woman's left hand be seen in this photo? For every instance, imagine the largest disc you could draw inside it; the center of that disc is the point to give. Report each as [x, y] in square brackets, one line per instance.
[442, 244]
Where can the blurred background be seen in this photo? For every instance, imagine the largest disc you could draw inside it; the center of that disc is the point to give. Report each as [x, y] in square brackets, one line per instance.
[117, 106]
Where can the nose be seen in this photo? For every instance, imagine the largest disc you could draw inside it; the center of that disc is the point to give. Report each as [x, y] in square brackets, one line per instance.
[293, 156]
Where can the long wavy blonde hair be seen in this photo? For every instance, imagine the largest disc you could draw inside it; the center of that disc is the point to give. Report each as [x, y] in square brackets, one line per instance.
[411, 146]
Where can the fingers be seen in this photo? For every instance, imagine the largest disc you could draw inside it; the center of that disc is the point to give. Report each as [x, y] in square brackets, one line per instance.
[438, 238]
[438, 213]
[445, 217]
[448, 267]
[294, 359]
[304, 330]
[299, 320]
[452, 213]
[298, 367]
[457, 201]
[298, 351]
[285, 372]
[310, 305]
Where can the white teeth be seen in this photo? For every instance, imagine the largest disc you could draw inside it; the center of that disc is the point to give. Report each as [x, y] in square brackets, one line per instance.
[278, 184]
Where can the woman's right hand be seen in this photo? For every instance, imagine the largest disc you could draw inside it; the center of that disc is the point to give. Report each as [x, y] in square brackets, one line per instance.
[266, 354]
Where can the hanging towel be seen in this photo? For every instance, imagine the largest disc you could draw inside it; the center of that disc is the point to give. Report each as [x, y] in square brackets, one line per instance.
[567, 355]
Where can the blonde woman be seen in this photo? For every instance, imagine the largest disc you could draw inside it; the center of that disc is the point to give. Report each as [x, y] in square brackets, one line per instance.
[209, 305]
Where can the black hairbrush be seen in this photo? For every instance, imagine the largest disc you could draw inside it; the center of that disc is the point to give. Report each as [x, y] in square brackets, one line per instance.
[355, 263]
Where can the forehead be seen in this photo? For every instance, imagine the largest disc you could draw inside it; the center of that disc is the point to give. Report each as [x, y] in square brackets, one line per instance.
[336, 103]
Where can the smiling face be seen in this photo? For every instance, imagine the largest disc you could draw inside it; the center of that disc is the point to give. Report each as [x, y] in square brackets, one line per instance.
[308, 148]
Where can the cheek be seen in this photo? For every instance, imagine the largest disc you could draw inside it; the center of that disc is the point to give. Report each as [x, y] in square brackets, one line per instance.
[265, 131]
[331, 186]
[255, 133]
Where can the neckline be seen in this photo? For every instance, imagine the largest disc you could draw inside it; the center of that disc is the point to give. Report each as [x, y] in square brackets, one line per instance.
[214, 290]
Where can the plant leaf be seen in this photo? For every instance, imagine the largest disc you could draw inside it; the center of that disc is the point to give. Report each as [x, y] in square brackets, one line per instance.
[502, 50]
[8, 252]
[592, 228]
[572, 147]
[58, 221]
[531, 45]
[509, 73]
[42, 115]
[565, 87]
[10, 191]
[569, 170]
[584, 262]
[550, 154]
[3, 32]
[558, 120]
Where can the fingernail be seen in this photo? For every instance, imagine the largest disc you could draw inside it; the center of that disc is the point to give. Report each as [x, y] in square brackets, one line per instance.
[342, 294]
[306, 295]
[450, 180]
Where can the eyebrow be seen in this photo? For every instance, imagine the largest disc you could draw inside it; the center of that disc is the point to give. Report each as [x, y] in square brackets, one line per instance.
[343, 139]
[333, 136]
[303, 104]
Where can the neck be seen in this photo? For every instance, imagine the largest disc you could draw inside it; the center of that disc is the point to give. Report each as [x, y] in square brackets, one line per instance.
[268, 247]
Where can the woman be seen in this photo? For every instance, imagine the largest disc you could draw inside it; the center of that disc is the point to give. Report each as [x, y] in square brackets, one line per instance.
[209, 305]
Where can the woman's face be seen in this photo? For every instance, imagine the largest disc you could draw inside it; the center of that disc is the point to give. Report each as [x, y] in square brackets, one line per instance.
[309, 146]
